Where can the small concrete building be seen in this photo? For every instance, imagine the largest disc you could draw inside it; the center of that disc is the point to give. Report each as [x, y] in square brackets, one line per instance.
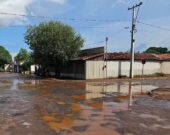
[116, 65]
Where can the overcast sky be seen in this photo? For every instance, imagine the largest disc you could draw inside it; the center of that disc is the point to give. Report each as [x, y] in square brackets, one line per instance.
[156, 12]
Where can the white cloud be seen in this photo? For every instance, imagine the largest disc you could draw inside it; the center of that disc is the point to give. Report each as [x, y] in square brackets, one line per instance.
[11, 6]
[118, 2]
[58, 1]
[21, 7]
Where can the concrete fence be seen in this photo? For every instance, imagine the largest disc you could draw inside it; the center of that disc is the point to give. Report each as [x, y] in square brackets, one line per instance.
[97, 70]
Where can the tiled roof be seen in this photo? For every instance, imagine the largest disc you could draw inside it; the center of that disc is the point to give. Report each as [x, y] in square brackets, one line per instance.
[164, 56]
[126, 56]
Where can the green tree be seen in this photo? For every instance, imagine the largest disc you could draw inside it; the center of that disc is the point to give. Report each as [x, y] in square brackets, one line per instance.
[5, 57]
[25, 59]
[157, 50]
[53, 43]
[22, 56]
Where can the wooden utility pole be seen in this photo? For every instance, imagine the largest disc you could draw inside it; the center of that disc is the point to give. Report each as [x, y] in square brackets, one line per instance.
[133, 38]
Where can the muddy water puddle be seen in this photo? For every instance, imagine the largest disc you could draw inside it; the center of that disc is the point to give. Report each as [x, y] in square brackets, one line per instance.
[74, 108]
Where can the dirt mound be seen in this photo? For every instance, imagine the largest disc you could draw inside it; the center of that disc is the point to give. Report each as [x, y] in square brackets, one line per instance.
[161, 93]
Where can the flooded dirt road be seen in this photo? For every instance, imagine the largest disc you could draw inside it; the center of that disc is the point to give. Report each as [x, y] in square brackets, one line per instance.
[57, 107]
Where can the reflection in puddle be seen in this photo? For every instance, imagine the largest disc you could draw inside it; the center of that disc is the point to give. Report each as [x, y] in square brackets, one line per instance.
[67, 107]
[82, 107]
[33, 82]
[15, 84]
[98, 91]
[118, 90]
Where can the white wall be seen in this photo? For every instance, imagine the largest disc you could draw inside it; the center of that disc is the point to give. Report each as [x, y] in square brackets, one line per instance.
[152, 68]
[7, 67]
[94, 69]
[166, 67]
[33, 68]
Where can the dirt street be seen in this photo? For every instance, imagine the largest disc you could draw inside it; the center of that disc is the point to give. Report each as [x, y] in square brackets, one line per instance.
[31, 106]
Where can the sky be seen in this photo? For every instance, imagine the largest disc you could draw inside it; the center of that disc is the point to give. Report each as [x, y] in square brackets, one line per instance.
[113, 20]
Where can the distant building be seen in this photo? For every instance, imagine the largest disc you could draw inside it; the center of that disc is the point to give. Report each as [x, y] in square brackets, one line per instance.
[17, 68]
[8, 68]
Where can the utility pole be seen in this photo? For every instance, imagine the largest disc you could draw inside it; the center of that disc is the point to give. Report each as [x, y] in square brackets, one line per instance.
[106, 55]
[133, 37]
[130, 95]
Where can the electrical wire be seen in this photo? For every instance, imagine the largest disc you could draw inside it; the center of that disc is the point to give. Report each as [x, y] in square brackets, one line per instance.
[78, 27]
[86, 27]
[78, 19]
[154, 26]
[95, 43]
[137, 14]
[59, 18]
[146, 6]
[149, 38]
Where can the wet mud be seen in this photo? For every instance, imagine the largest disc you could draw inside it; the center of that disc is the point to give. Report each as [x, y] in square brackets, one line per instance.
[49, 107]
[161, 93]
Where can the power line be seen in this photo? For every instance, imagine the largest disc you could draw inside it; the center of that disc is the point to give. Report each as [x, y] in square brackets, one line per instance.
[79, 27]
[60, 18]
[79, 19]
[154, 26]
[148, 38]
[87, 27]
[146, 6]
[137, 14]
[91, 27]
[96, 43]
